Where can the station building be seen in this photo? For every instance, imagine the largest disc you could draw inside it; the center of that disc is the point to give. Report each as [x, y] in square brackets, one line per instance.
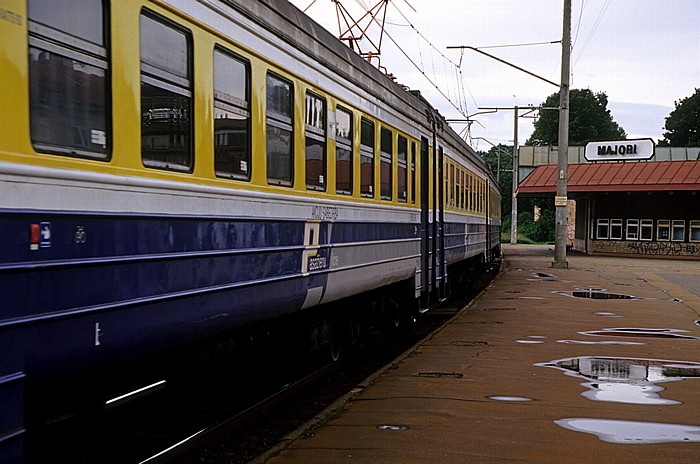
[620, 206]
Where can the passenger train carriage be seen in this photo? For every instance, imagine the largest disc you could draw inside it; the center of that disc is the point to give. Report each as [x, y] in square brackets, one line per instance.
[173, 170]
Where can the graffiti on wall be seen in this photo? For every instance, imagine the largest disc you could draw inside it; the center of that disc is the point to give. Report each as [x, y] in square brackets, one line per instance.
[664, 248]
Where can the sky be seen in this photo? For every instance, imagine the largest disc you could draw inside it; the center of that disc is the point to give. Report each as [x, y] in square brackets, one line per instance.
[643, 54]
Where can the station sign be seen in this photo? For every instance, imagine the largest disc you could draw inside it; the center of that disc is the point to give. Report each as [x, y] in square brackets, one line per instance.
[620, 150]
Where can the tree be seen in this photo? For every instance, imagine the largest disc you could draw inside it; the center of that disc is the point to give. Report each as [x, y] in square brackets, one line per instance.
[683, 124]
[589, 120]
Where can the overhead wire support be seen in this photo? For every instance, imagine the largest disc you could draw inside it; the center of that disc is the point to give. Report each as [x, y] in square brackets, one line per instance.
[504, 62]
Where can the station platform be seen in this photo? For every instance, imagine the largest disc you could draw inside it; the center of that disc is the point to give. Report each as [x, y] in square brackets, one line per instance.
[532, 372]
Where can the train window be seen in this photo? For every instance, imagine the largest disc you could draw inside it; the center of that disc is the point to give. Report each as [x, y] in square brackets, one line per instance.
[694, 231]
[367, 158]
[68, 78]
[646, 229]
[458, 185]
[461, 189]
[315, 142]
[602, 229]
[231, 116]
[280, 134]
[386, 158]
[452, 185]
[678, 230]
[663, 229]
[166, 95]
[615, 229]
[413, 172]
[343, 151]
[402, 172]
[632, 229]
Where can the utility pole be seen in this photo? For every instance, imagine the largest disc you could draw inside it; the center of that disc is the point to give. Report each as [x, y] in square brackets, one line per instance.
[514, 200]
[560, 200]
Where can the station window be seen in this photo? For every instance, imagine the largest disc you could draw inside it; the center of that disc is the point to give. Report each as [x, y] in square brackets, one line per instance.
[616, 229]
[315, 142]
[68, 78]
[231, 116]
[279, 129]
[367, 158]
[678, 230]
[343, 151]
[402, 169]
[602, 230]
[694, 231]
[413, 172]
[663, 229]
[632, 229]
[386, 158]
[646, 229]
[166, 95]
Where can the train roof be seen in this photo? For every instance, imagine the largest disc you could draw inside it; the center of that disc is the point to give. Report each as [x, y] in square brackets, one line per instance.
[297, 29]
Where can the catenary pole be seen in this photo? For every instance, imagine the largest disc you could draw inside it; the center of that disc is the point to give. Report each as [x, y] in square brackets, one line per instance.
[514, 199]
[563, 156]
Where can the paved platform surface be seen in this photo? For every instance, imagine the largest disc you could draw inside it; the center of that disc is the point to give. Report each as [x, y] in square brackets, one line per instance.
[615, 396]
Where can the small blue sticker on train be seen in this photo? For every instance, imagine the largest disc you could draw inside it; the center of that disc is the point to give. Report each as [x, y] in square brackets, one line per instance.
[44, 234]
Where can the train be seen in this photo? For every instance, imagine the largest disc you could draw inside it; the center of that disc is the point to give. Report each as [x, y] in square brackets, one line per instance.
[174, 170]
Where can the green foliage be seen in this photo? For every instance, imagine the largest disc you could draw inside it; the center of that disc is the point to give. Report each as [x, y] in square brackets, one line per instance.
[541, 230]
[506, 178]
[589, 120]
[683, 124]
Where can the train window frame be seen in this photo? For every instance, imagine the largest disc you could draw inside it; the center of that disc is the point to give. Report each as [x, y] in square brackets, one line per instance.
[413, 173]
[386, 160]
[694, 231]
[616, 229]
[87, 54]
[367, 157]
[602, 230]
[232, 105]
[402, 168]
[678, 230]
[315, 127]
[163, 81]
[632, 229]
[344, 149]
[663, 230]
[646, 229]
[277, 124]
[452, 184]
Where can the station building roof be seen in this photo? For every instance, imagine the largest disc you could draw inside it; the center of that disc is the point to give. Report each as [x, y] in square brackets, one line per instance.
[608, 177]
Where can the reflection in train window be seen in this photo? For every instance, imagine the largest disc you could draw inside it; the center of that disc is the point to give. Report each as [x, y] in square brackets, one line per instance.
[231, 116]
[386, 157]
[367, 158]
[166, 95]
[315, 142]
[402, 172]
[343, 151]
[280, 135]
[68, 78]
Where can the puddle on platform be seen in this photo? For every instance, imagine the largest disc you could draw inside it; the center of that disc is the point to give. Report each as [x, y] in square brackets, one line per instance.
[598, 295]
[639, 332]
[632, 432]
[697, 322]
[590, 289]
[510, 398]
[392, 427]
[626, 380]
[606, 314]
[529, 342]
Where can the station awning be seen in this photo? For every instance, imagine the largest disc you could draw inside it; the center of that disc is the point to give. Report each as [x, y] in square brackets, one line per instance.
[609, 177]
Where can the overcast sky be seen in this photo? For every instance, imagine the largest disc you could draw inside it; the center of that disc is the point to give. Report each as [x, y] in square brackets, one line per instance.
[644, 54]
